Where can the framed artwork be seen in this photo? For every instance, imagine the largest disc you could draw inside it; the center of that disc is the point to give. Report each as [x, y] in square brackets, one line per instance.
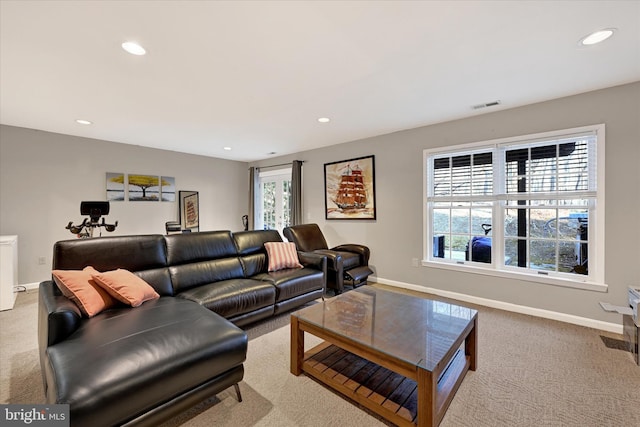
[189, 210]
[115, 186]
[168, 188]
[144, 188]
[349, 187]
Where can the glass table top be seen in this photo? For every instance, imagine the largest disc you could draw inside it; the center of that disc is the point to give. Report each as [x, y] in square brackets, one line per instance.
[415, 330]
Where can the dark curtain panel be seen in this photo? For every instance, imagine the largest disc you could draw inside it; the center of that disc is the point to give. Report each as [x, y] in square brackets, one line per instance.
[296, 192]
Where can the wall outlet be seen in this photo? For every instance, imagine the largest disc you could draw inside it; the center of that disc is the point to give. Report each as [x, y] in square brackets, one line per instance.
[42, 260]
[415, 262]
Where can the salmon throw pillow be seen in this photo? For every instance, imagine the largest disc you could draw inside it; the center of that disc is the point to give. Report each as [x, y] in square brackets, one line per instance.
[79, 287]
[125, 286]
[282, 255]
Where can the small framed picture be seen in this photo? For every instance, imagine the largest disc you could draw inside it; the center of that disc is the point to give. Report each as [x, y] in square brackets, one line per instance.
[189, 211]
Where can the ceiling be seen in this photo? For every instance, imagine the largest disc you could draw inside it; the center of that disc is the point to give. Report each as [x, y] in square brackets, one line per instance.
[256, 76]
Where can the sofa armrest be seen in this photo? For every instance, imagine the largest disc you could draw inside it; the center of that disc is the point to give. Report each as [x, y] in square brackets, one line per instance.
[313, 260]
[58, 316]
[317, 261]
[361, 250]
[334, 259]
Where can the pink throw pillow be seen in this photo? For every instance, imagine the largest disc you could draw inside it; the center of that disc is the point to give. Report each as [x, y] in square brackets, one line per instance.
[126, 287]
[79, 287]
[282, 255]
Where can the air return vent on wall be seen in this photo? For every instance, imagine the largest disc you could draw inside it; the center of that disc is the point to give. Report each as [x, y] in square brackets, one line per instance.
[485, 105]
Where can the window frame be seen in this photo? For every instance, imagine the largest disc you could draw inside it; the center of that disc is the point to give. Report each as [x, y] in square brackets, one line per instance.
[593, 281]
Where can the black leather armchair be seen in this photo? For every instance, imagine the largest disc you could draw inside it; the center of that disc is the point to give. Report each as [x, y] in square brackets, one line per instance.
[345, 263]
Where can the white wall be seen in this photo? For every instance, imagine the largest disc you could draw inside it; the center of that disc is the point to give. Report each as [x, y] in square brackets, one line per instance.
[44, 177]
[396, 236]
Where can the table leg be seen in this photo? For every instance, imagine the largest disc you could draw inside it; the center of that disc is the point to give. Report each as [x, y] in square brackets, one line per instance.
[426, 399]
[471, 345]
[297, 347]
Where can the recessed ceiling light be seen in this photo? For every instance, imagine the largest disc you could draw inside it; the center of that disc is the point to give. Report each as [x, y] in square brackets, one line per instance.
[133, 48]
[597, 37]
[324, 120]
[83, 122]
[227, 148]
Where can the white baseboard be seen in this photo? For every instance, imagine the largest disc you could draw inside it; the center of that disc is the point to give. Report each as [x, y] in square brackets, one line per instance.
[30, 286]
[553, 315]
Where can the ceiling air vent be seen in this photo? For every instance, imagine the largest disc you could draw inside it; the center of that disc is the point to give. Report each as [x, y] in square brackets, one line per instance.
[485, 105]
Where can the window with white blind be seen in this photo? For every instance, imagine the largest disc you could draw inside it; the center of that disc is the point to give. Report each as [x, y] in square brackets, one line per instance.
[526, 206]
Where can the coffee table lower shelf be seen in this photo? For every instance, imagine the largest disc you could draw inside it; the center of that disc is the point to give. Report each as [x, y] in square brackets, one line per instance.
[387, 393]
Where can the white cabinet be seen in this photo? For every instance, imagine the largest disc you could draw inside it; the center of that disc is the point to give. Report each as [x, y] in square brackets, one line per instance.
[8, 271]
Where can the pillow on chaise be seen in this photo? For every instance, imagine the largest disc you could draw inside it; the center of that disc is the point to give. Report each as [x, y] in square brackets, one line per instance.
[125, 286]
[282, 255]
[79, 287]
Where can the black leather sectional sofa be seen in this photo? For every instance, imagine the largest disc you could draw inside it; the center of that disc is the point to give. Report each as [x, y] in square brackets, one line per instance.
[143, 365]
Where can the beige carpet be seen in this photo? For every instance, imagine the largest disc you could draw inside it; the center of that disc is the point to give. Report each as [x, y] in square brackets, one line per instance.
[532, 372]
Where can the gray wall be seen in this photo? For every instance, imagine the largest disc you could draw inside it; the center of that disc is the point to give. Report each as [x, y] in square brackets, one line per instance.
[44, 177]
[396, 236]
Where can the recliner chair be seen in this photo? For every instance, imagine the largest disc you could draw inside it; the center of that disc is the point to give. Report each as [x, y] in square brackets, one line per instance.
[349, 262]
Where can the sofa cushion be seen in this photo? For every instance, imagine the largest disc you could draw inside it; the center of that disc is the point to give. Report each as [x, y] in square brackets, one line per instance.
[349, 259]
[187, 276]
[251, 249]
[293, 282]
[282, 255]
[108, 253]
[80, 287]
[252, 241]
[308, 237]
[143, 255]
[254, 264]
[125, 286]
[230, 298]
[158, 278]
[133, 359]
[196, 247]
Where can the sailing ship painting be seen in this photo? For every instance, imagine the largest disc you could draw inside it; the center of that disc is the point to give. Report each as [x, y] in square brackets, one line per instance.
[352, 193]
[349, 189]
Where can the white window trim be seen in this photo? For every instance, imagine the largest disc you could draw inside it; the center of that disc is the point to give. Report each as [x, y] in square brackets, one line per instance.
[596, 242]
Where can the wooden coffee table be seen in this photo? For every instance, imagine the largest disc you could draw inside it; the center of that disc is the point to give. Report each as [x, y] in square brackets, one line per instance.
[400, 356]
